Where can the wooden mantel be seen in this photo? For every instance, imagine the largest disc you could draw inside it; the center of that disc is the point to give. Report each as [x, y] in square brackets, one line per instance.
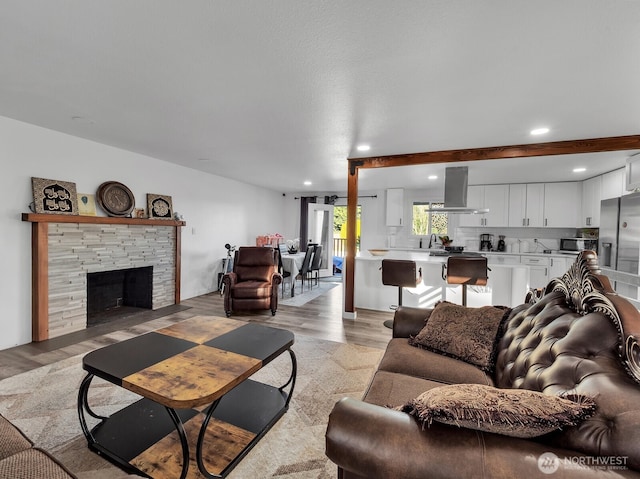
[40, 259]
[99, 220]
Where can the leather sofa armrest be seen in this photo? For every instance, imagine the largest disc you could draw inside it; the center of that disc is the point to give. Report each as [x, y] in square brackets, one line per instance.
[377, 442]
[368, 440]
[409, 321]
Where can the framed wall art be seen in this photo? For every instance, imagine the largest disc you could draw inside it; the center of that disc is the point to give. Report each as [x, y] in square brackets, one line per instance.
[159, 206]
[86, 204]
[54, 196]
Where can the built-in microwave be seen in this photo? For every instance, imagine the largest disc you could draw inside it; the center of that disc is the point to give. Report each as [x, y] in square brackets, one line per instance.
[570, 245]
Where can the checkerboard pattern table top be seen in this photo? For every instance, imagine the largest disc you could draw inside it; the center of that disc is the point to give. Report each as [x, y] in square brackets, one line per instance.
[191, 363]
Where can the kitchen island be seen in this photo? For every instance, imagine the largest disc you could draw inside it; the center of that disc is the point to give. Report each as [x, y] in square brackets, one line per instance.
[507, 285]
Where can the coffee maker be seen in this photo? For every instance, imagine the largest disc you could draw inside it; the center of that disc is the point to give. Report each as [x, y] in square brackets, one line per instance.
[486, 241]
[501, 245]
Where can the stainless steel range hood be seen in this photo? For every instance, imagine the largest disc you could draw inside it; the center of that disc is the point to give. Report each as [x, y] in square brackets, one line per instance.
[456, 180]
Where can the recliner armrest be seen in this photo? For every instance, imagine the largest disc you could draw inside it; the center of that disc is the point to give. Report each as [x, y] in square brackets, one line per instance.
[276, 278]
[229, 279]
[409, 321]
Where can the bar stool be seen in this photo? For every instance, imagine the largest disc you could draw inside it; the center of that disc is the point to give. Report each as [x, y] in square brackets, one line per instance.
[465, 270]
[400, 273]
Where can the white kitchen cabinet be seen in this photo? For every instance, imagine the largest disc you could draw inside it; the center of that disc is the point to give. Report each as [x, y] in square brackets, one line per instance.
[501, 258]
[475, 199]
[561, 204]
[517, 205]
[538, 270]
[559, 266]
[613, 184]
[493, 197]
[496, 199]
[395, 207]
[526, 205]
[591, 196]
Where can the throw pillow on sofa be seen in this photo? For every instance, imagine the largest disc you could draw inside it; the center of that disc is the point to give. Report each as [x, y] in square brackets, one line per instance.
[468, 334]
[511, 412]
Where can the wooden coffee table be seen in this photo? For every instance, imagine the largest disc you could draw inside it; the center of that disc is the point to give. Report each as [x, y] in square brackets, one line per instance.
[199, 414]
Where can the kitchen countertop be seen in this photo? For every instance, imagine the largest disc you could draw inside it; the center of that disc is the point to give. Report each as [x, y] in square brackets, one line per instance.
[507, 283]
[424, 251]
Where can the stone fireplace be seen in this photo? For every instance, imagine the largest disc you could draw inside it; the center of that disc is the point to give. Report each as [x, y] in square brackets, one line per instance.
[67, 250]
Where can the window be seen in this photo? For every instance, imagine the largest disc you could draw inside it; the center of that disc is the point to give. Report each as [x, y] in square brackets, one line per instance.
[427, 220]
[340, 230]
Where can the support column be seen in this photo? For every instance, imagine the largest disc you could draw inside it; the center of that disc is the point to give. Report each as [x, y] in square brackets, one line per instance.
[40, 281]
[350, 259]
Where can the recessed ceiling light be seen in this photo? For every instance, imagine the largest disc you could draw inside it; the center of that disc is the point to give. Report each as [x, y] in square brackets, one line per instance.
[579, 170]
[433, 177]
[539, 131]
[363, 148]
[204, 160]
[307, 183]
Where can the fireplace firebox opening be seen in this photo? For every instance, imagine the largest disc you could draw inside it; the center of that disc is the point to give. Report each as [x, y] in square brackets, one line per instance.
[118, 293]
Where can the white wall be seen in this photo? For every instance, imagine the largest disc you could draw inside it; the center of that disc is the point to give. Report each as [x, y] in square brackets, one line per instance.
[217, 210]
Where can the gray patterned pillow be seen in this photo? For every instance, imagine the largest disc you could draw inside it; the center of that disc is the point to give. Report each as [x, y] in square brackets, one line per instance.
[511, 412]
[468, 334]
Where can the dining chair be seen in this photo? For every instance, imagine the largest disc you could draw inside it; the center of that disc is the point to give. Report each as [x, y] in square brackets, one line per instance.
[316, 263]
[285, 274]
[306, 266]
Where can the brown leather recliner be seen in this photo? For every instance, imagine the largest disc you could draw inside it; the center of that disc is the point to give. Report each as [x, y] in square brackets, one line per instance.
[254, 281]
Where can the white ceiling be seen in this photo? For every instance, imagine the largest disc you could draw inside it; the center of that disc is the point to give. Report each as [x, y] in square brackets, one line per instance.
[275, 92]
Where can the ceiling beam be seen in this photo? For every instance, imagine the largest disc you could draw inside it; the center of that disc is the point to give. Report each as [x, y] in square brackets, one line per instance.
[569, 147]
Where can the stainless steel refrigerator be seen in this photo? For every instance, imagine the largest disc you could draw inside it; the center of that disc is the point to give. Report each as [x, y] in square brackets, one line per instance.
[619, 238]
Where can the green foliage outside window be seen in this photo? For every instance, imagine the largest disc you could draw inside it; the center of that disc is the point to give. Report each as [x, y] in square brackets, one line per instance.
[426, 219]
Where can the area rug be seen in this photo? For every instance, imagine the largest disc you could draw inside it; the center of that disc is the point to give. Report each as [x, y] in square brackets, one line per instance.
[42, 403]
[302, 298]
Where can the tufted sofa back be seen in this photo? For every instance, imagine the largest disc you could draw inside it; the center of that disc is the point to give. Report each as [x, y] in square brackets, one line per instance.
[580, 338]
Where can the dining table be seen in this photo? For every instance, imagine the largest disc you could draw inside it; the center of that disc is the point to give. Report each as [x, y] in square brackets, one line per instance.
[292, 263]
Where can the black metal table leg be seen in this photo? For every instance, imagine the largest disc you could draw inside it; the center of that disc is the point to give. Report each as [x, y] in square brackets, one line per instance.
[292, 378]
[83, 405]
[183, 440]
[203, 430]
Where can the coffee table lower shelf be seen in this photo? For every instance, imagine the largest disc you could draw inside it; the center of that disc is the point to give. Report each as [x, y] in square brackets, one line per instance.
[142, 437]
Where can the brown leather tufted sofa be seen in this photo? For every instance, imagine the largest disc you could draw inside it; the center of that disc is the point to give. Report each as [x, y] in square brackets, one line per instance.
[578, 337]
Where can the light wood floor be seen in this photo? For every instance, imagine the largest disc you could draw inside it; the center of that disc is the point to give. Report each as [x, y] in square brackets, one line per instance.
[319, 318]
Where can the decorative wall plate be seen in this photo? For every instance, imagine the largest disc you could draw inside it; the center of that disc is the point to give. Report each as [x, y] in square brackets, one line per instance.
[115, 198]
